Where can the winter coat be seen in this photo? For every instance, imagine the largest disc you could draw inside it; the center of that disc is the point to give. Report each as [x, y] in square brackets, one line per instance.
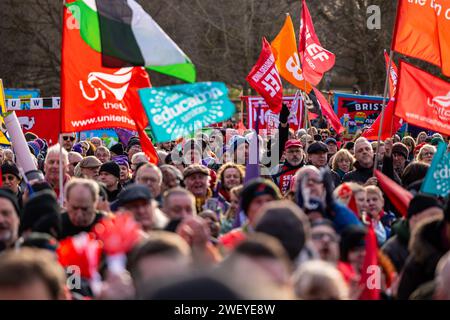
[396, 248]
[359, 174]
[428, 244]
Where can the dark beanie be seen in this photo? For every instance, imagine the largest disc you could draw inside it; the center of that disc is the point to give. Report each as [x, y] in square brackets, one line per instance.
[401, 149]
[117, 149]
[42, 214]
[11, 168]
[134, 141]
[9, 195]
[110, 167]
[351, 238]
[420, 203]
[255, 188]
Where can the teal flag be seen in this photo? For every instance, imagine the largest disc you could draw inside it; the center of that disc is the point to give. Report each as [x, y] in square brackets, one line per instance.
[178, 111]
[437, 180]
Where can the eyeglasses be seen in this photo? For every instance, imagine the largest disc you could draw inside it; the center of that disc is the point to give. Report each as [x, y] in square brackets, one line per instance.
[65, 138]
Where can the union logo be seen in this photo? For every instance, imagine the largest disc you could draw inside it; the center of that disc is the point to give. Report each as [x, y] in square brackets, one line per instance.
[441, 106]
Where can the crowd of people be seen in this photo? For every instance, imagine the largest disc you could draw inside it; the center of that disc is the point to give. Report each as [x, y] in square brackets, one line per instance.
[209, 228]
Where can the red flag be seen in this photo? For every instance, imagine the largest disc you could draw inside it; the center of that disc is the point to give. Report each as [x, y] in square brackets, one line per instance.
[328, 112]
[421, 31]
[265, 79]
[94, 97]
[315, 59]
[371, 272]
[399, 197]
[391, 124]
[423, 99]
[393, 75]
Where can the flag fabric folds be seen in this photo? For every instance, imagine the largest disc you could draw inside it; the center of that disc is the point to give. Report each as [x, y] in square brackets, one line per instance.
[391, 124]
[423, 99]
[265, 79]
[95, 97]
[284, 47]
[437, 180]
[127, 36]
[315, 59]
[328, 112]
[371, 272]
[393, 75]
[399, 197]
[421, 31]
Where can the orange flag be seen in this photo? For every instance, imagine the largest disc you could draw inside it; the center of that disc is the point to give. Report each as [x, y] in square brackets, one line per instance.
[287, 60]
[422, 31]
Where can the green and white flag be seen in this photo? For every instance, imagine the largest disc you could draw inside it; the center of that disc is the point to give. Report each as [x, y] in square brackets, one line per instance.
[127, 36]
[437, 180]
[178, 111]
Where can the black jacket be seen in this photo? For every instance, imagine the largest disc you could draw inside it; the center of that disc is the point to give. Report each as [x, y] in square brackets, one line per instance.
[427, 246]
[69, 230]
[359, 174]
[396, 248]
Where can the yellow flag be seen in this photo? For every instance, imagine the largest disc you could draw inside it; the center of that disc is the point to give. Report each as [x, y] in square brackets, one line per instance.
[3, 138]
[286, 55]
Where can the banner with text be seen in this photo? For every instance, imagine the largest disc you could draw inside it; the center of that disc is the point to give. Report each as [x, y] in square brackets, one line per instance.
[177, 111]
[356, 111]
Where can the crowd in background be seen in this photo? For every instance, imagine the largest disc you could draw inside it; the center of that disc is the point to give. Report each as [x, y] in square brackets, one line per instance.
[210, 228]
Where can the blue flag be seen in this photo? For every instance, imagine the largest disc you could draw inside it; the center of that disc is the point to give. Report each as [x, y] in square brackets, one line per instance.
[437, 180]
[177, 111]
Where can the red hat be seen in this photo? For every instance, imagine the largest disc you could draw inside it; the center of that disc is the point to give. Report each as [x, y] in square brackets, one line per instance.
[292, 143]
[419, 146]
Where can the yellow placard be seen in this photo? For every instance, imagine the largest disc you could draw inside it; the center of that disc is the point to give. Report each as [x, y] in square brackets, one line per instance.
[3, 138]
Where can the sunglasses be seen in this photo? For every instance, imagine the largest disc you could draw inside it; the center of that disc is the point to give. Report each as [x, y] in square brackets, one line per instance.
[65, 138]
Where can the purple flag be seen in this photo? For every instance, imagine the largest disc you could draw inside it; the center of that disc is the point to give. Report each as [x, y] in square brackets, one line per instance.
[125, 135]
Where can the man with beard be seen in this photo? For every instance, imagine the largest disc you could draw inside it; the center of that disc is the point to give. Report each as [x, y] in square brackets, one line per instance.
[294, 160]
[68, 140]
[9, 219]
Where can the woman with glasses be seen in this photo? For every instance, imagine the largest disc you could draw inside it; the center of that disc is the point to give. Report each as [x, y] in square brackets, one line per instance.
[426, 153]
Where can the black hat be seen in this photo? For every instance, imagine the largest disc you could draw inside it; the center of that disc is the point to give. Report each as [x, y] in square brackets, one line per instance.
[132, 193]
[420, 203]
[134, 141]
[41, 241]
[9, 195]
[11, 168]
[42, 214]
[258, 187]
[117, 149]
[110, 167]
[317, 147]
[401, 149]
[351, 238]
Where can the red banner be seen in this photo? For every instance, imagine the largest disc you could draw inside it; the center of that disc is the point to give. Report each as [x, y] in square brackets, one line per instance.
[265, 79]
[315, 59]
[95, 97]
[422, 31]
[42, 122]
[391, 124]
[423, 99]
[393, 75]
[268, 120]
[328, 112]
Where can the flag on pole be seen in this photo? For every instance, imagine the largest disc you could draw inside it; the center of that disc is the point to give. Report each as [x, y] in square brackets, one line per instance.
[423, 99]
[328, 112]
[391, 124]
[95, 97]
[315, 59]
[393, 75]
[371, 272]
[286, 56]
[127, 36]
[265, 79]
[421, 31]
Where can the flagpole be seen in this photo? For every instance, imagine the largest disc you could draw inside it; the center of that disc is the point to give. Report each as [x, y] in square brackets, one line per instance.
[61, 186]
[383, 107]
